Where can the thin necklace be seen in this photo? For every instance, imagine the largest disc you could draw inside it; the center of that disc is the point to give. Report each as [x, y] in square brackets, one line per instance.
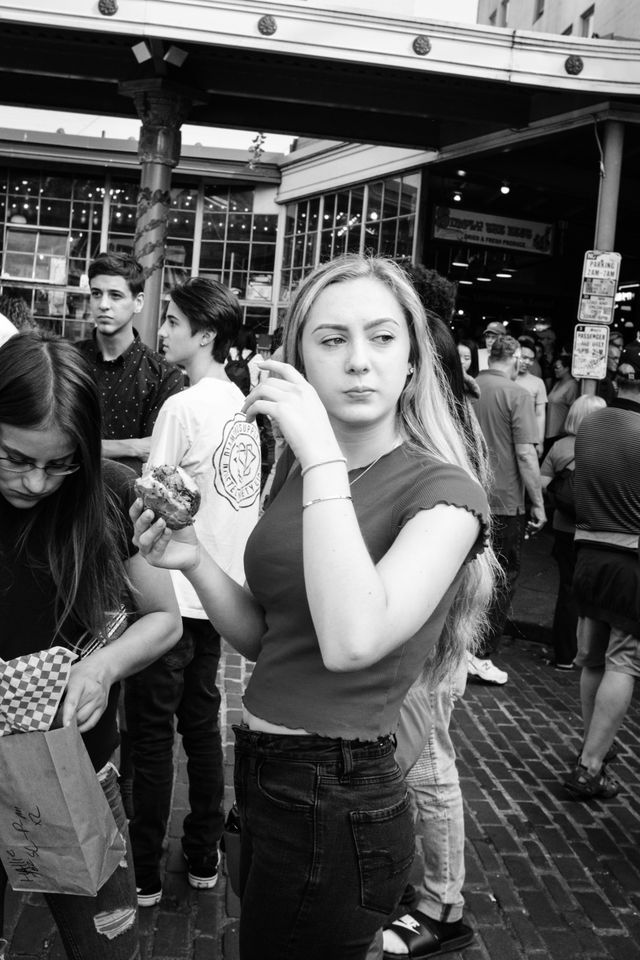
[366, 470]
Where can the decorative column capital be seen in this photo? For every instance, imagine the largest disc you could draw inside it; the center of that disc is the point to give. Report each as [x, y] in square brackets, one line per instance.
[162, 108]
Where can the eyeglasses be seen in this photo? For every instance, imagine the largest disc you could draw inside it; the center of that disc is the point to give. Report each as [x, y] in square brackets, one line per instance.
[26, 466]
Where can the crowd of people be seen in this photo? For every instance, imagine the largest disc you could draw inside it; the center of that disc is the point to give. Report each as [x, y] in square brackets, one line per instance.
[368, 582]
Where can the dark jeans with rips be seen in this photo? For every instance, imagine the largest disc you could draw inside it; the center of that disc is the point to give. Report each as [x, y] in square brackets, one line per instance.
[508, 537]
[180, 684]
[327, 844]
[104, 927]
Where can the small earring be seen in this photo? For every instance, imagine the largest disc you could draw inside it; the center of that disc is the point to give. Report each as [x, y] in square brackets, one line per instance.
[410, 373]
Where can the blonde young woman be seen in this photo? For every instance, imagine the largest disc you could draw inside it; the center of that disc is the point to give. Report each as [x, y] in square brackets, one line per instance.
[372, 541]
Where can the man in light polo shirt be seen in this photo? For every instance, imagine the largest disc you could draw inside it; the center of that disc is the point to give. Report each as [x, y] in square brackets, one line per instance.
[506, 415]
[535, 385]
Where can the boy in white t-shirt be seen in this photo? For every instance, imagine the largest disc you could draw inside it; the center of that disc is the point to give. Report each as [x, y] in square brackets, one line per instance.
[202, 430]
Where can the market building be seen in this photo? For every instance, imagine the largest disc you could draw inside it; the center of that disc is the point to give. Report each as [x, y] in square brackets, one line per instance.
[497, 156]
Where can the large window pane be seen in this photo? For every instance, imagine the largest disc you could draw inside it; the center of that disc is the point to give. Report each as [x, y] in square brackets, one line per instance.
[239, 227]
[216, 200]
[241, 201]
[326, 245]
[287, 251]
[262, 256]
[55, 213]
[213, 226]
[290, 219]
[54, 244]
[211, 256]
[391, 198]
[18, 265]
[310, 251]
[265, 227]
[371, 237]
[57, 187]
[314, 213]
[374, 204]
[298, 251]
[120, 244]
[388, 238]
[342, 209]
[22, 241]
[353, 239]
[409, 196]
[178, 253]
[181, 224]
[406, 228]
[260, 286]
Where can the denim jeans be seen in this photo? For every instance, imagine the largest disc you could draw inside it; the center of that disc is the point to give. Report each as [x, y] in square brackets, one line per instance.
[436, 800]
[104, 927]
[508, 537]
[180, 684]
[327, 844]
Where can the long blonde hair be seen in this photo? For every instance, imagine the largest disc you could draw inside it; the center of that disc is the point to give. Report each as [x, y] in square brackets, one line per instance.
[427, 424]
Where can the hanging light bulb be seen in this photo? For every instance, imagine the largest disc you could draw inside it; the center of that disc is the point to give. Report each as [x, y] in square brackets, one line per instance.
[505, 188]
[457, 196]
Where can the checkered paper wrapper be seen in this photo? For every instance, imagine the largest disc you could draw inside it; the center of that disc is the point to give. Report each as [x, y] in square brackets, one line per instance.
[31, 688]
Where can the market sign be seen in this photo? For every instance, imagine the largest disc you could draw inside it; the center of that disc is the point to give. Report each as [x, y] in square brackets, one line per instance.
[598, 288]
[467, 226]
[590, 347]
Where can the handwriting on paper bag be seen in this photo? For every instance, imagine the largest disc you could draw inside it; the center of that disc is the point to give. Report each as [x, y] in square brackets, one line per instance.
[23, 855]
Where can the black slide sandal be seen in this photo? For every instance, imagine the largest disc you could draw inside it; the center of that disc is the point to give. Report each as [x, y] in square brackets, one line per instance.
[422, 938]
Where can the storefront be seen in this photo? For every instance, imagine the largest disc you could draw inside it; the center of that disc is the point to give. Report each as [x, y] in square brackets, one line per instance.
[53, 224]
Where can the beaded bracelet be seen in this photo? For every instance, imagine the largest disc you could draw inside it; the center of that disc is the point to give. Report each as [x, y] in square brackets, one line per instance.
[310, 503]
[322, 463]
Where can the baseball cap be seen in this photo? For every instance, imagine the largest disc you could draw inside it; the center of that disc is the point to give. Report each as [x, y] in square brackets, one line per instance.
[494, 327]
[630, 356]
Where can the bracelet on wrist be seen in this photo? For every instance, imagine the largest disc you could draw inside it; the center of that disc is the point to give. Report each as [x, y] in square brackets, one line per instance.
[310, 503]
[322, 463]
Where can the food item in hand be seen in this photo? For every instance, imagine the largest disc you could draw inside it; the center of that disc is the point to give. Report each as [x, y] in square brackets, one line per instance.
[171, 494]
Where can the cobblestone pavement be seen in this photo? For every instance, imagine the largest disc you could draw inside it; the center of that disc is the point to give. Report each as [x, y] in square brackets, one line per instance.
[547, 877]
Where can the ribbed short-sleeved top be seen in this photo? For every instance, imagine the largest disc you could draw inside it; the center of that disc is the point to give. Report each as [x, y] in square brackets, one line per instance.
[290, 684]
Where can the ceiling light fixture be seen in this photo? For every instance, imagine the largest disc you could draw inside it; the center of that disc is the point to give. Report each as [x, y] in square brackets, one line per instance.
[505, 188]
[505, 276]
[457, 196]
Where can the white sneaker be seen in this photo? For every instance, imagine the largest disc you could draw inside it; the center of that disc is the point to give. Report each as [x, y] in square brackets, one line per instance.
[484, 671]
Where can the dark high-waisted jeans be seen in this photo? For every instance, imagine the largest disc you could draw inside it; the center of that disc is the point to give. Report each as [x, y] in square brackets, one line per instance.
[327, 844]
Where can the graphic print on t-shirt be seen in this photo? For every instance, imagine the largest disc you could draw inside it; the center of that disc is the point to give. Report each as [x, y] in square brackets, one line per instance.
[237, 463]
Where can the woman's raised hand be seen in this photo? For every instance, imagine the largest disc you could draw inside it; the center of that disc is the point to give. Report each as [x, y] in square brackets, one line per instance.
[160, 546]
[290, 400]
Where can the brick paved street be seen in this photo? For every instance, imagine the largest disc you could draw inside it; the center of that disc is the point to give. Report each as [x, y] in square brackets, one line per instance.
[546, 877]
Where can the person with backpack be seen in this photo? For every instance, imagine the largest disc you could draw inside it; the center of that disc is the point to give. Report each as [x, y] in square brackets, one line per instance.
[556, 474]
[243, 363]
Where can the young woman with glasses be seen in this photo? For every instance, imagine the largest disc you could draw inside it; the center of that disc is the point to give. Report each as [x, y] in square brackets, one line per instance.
[67, 569]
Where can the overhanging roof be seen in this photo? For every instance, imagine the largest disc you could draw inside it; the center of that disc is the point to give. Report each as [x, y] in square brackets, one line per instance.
[348, 75]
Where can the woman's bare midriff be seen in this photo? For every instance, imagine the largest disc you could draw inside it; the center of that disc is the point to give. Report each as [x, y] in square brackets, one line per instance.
[263, 726]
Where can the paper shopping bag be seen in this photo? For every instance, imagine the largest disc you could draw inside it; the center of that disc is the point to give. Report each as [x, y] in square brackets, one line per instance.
[57, 832]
